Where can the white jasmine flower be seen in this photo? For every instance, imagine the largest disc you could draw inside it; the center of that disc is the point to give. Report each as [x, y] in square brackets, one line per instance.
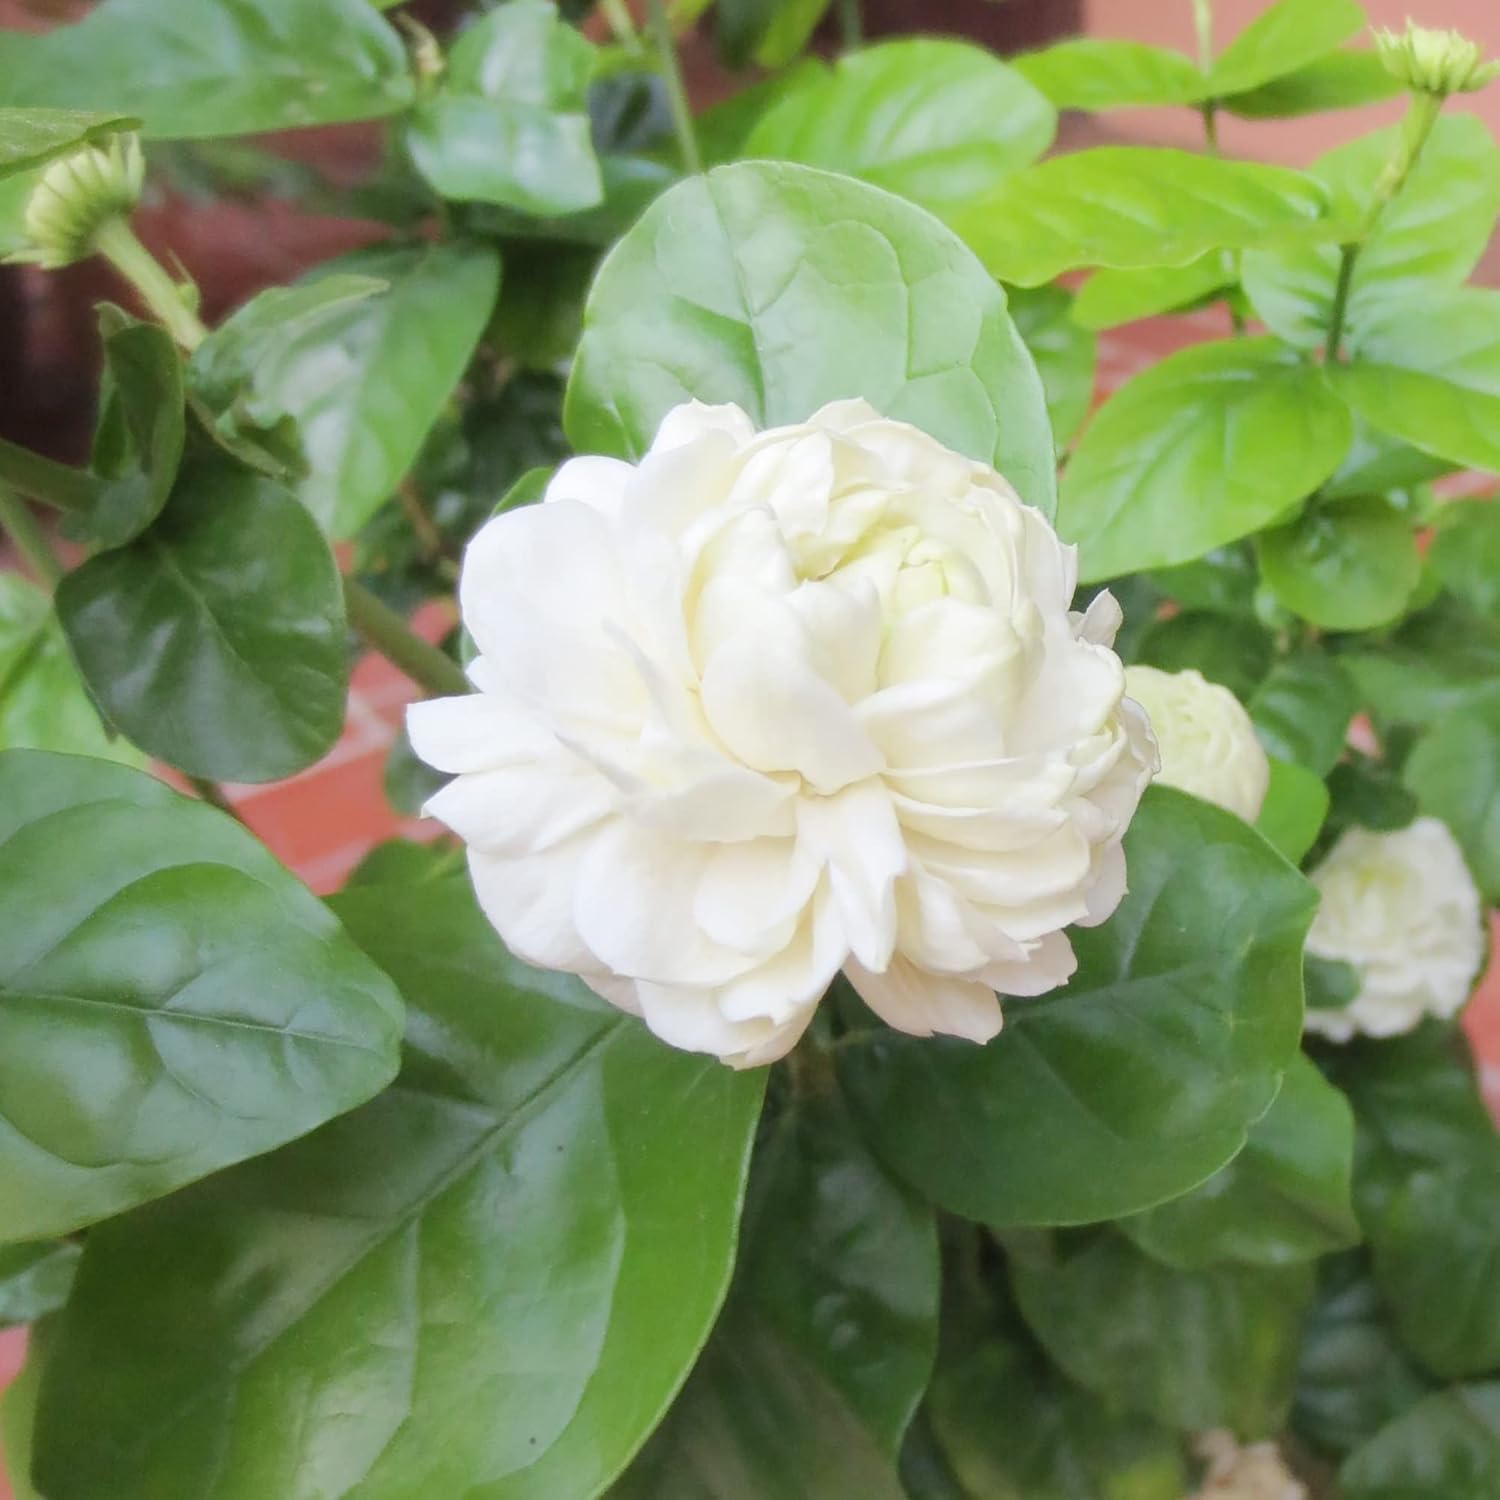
[1401, 908]
[1207, 742]
[768, 706]
[1255, 1471]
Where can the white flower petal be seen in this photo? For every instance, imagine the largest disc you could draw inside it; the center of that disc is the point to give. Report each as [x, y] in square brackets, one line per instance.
[926, 1004]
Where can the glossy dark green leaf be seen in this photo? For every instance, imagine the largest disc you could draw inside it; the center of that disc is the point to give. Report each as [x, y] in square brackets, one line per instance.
[488, 1282]
[1283, 1199]
[1353, 1376]
[31, 137]
[1110, 298]
[1174, 464]
[35, 1279]
[1220, 582]
[1063, 351]
[1328, 983]
[175, 1003]
[1292, 815]
[936, 121]
[1341, 80]
[359, 379]
[1447, 1445]
[1302, 710]
[1344, 565]
[1141, 1077]
[43, 702]
[1466, 554]
[201, 68]
[1431, 234]
[141, 431]
[509, 124]
[1132, 206]
[781, 288]
[406, 862]
[1455, 773]
[1194, 1349]
[1284, 37]
[1368, 793]
[216, 642]
[1442, 660]
[1098, 73]
[1234, 652]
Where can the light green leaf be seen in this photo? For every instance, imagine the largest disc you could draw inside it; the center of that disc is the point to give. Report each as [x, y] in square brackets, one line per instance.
[1174, 464]
[1195, 1349]
[1432, 233]
[1303, 708]
[1341, 80]
[1284, 37]
[356, 379]
[203, 68]
[781, 287]
[43, 702]
[723, 128]
[935, 121]
[1377, 464]
[216, 642]
[35, 1279]
[1455, 772]
[31, 137]
[1098, 73]
[1110, 298]
[489, 1282]
[510, 123]
[1063, 351]
[1130, 207]
[1140, 1078]
[1283, 1199]
[1447, 1445]
[1466, 553]
[1296, 805]
[1343, 565]
[175, 1003]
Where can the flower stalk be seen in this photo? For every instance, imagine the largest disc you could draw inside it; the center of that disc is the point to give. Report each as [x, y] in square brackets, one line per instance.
[167, 301]
[386, 632]
[670, 66]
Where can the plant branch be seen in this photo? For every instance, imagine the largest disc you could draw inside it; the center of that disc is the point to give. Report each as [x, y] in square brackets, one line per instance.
[671, 72]
[17, 521]
[117, 243]
[54, 484]
[1348, 254]
[617, 15]
[386, 632]
[852, 24]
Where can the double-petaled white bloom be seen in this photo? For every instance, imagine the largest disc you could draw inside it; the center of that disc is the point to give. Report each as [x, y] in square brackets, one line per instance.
[768, 706]
[1402, 910]
[1207, 742]
[1255, 1471]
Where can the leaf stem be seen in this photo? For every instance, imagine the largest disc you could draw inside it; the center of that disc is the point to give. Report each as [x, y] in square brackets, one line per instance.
[386, 632]
[670, 66]
[852, 24]
[168, 304]
[1203, 26]
[17, 521]
[58, 485]
[617, 15]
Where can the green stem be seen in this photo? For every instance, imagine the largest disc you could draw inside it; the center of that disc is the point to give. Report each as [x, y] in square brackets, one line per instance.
[54, 484]
[117, 243]
[1348, 254]
[1203, 25]
[31, 542]
[852, 24]
[617, 16]
[384, 630]
[671, 73]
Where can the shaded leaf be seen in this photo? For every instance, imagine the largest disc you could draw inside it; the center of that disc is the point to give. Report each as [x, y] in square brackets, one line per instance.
[1448, 1445]
[1302, 710]
[35, 1279]
[1455, 773]
[31, 137]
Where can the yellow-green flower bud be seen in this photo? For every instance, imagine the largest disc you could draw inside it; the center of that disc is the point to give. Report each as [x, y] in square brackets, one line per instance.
[76, 196]
[1434, 62]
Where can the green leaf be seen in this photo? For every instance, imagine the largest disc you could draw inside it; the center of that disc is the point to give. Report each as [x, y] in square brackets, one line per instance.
[1143, 1075]
[359, 379]
[1011, 1428]
[1441, 660]
[1343, 565]
[1328, 983]
[723, 128]
[510, 123]
[35, 1279]
[770, 33]
[1175, 463]
[1296, 805]
[1284, 37]
[781, 287]
[1130, 207]
[1283, 1199]
[1220, 582]
[1377, 464]
[405, 862]
[409, 781]
[1303, 708]
[1234, 652]
[1215, 1347]
[31, 137]
[43, 702]
[1431, 234]
[1109, 298]
[1341, 80]
[1447, 1445]
[510, 1259]
[1466, 553]
[1353, 1376]
[175, 1003]
[1063, 351]
[1098, 73]
[141, 431]
[1455, 773]
[935, 121]
[203, 68]
[1365, 792]
[216, 642]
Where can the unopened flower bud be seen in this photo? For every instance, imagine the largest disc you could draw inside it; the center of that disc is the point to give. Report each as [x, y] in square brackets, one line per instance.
[1434, 62]
[76, 196]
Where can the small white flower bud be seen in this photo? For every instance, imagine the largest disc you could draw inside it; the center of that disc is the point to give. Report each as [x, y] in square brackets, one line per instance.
[1434, 62]
[76, 196]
